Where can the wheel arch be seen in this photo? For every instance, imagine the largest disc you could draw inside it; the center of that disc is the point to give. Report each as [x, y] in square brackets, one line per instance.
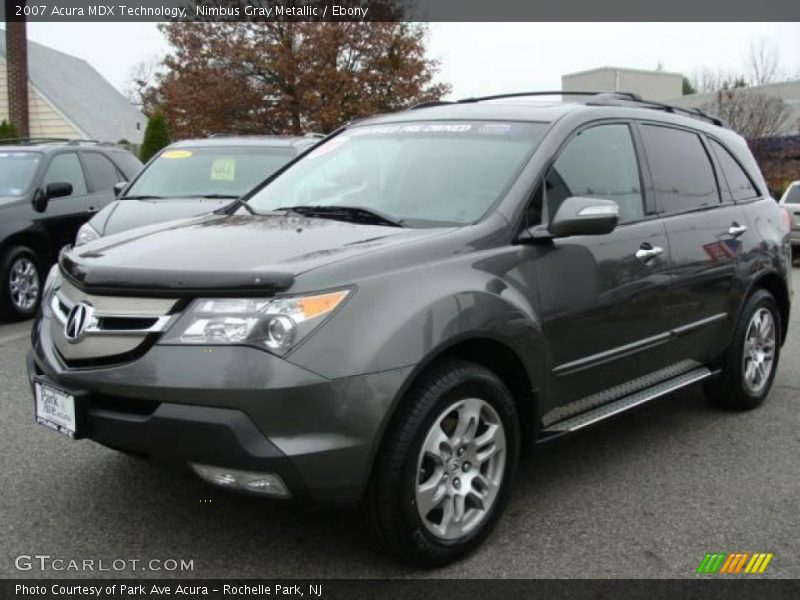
[491, 352]
[36, 241]
[776, 285]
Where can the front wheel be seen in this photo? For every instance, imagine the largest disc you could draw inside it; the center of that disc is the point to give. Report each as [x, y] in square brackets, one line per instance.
[750, 362]
[444, 471]
[22, 284]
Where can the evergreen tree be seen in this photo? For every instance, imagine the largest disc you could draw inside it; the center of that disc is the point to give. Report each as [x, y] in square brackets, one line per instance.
[156, 137]
[7, 131]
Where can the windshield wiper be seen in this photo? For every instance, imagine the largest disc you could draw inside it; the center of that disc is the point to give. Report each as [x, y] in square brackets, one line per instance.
[144, 197]
[352, 214]
[217, 196]
[230, 208]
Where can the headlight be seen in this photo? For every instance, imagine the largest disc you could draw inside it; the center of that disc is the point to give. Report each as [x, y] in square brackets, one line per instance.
[51, 284]
[86, 234]
[275, 324]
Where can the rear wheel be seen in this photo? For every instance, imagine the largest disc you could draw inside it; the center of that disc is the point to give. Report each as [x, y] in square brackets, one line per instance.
[22, 283]
[750, 362]
[443, 473]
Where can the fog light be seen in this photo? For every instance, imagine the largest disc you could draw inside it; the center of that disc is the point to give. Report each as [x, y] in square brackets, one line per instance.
[268, 484]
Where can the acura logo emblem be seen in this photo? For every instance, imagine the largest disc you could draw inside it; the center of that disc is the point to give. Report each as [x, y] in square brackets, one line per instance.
[77, 322]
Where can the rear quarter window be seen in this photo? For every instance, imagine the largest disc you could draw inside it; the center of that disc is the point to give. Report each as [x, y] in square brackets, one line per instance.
[739, 183]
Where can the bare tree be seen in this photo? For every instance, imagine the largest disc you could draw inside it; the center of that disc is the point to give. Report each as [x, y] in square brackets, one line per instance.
[763, 63]
[755, 116]
[706, 80]
[140, 78]
[751, 114]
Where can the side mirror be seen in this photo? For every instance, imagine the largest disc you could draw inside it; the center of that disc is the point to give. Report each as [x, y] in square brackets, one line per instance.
[58, 190]
[584, 216]
[118, 187]
[41, 198]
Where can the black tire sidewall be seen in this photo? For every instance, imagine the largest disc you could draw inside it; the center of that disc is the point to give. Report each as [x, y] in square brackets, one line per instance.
[416, 544]
[729, 391]
[8, 310]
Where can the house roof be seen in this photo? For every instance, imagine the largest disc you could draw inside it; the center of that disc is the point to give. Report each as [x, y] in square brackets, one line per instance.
[81, 94]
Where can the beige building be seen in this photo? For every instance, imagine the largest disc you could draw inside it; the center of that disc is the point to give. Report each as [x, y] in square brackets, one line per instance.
[651, 85]
[68, 99]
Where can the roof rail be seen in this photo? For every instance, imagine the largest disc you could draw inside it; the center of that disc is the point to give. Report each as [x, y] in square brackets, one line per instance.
[430, 103]
[53, 140]
[621, 95]
[597, 99]
[34, 140]
[612, 100]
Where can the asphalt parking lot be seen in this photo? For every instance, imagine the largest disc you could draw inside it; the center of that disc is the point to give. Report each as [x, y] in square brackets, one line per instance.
[645, 495]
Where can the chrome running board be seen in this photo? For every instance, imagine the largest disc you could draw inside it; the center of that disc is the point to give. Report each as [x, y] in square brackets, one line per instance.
[617, 406]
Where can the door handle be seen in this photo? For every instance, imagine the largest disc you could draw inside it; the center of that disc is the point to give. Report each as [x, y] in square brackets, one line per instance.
[736, 230]
[647, 251]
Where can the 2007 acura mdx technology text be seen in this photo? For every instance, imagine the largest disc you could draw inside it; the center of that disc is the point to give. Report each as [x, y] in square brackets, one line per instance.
[393, 315]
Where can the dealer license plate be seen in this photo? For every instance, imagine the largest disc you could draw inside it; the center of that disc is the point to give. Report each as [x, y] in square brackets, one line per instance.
[55, 409]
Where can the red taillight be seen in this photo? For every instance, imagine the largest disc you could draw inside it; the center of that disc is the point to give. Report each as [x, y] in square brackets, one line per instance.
[786, 219]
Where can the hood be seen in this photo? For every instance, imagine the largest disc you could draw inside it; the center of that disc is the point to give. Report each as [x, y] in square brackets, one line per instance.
[128, 214]
[224, 253]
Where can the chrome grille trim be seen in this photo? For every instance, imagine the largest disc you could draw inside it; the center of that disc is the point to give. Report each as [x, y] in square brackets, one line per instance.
[162, 322]
[119, 325]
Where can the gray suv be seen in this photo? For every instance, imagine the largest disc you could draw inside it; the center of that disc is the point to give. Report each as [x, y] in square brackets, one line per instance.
[393, 316]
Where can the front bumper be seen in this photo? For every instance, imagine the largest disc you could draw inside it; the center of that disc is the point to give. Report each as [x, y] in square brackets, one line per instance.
[235, 407]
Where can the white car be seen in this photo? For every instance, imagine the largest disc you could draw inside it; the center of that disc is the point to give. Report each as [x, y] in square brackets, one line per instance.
[791, 200]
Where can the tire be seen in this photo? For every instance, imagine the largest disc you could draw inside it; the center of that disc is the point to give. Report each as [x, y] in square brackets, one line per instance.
[742, 385]
[795, 255]
[21, 272]
[448, 395]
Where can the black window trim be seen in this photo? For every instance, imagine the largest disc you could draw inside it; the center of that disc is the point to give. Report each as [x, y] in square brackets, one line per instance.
[759, 193]
[700, 134]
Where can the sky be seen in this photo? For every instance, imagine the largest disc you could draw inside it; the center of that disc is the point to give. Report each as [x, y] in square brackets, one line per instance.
[487, 58]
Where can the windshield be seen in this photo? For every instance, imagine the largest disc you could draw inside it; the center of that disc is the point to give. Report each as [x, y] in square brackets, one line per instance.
[16, 172]
[419, 174]
[793, 195]
[220, 171]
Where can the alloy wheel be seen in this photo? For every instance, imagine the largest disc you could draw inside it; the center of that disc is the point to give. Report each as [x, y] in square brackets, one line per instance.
[24, 284]
[759, 351]
[460, 468]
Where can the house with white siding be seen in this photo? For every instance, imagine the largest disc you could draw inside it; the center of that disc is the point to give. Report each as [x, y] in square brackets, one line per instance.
[69, 99]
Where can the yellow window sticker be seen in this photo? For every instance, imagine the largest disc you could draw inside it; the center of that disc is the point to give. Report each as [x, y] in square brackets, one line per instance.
[223, 169]
[176, 154]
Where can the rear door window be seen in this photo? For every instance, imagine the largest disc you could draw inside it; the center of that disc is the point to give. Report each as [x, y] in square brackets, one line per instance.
[683, 178]
[102, 173]
[739, 183]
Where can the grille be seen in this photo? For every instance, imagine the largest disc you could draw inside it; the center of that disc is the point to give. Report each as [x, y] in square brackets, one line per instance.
[118, 327]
